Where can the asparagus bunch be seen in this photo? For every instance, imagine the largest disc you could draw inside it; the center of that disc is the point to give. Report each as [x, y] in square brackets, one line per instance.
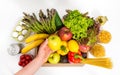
[49, 23]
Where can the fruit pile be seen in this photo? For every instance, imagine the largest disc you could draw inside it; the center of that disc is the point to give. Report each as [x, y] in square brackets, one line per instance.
[25, 59]
[70, 39]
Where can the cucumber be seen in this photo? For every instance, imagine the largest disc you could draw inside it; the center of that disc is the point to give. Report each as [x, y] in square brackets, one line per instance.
[58, 21]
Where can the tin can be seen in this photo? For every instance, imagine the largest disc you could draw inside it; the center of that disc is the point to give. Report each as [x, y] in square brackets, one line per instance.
[14, 49]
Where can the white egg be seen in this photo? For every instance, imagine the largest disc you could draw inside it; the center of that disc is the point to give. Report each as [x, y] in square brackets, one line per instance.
[15, 34]
[20, 38]
[24, 32]
[18, 28]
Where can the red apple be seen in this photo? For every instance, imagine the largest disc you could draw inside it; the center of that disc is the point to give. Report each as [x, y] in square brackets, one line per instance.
[84, 48]
[65, 34]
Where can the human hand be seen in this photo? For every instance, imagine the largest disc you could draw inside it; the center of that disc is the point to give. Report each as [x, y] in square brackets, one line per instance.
[41, 58]
[44, 51]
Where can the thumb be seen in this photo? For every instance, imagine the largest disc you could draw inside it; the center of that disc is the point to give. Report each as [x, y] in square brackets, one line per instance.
[44, 43]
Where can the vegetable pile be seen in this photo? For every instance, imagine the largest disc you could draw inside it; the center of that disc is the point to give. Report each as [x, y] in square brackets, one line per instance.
[71, 39]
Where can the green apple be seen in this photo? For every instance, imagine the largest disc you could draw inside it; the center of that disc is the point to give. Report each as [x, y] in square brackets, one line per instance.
[54, 58]
[54, 42]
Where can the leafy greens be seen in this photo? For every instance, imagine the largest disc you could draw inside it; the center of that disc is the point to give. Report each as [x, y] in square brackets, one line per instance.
[78, 24]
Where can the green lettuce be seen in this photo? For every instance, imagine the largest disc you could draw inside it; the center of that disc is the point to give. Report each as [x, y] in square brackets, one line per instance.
[78, 24]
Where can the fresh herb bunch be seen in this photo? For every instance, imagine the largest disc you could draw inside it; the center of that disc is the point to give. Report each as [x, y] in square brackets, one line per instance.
[78, 24]
[49, 23]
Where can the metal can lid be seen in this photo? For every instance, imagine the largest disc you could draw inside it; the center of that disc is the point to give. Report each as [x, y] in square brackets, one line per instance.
[14, 49]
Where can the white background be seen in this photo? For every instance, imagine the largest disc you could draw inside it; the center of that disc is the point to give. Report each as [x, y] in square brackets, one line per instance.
[11, 11]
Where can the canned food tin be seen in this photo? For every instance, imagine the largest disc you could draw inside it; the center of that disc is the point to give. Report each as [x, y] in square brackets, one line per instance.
[14, 49]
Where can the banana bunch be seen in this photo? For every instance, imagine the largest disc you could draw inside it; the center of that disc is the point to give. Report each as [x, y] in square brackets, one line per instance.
[33, 41]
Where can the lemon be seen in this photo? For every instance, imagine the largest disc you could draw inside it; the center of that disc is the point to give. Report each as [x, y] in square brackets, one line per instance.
[73, 46]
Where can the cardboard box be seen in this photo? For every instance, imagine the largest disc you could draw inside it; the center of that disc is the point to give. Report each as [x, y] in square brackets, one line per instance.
[62, 65]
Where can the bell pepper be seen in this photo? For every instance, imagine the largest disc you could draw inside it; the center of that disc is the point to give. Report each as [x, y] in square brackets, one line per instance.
[75, 57]
[63, 49]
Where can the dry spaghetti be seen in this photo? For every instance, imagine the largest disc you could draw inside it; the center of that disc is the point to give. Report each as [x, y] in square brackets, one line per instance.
[101, 62]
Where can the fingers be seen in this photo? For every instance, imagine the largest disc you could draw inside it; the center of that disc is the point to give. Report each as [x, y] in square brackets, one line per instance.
[45, 47]
[51, 51]
[48, 49]
[44, 43]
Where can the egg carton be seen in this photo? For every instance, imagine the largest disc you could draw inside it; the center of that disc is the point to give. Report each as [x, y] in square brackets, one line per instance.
[20, 32]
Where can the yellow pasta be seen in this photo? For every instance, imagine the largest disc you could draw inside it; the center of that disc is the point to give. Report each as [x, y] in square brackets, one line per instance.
[98, 50]
[101, 62]
[104, 36]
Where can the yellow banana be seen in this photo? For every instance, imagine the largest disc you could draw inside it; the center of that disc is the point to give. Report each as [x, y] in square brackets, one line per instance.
[31, 46]
[36, 37]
